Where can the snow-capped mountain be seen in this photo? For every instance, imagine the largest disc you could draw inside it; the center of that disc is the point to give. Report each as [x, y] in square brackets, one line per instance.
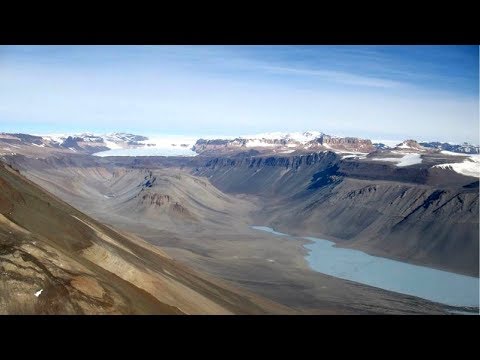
[130, 139]
[410, 146]
[285, 143]
[464, 148]
[117, 138]
[88, 143]
[470, 166]
[381, 146]
[126, 144]
[297, 137]
[92, 143]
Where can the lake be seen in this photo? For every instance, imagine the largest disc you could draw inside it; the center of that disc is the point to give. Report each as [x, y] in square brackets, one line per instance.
[355, 265]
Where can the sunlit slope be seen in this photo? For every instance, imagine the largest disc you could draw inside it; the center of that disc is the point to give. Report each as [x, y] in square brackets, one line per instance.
[56, 260]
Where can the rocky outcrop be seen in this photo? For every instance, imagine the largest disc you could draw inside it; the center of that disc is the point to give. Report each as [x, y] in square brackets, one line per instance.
[128, 139]
[345, 144]
[71, 142]
[381, 146]
[81, 145]
[203, 145]
[29, 138]
[156, 199]
[410, 146]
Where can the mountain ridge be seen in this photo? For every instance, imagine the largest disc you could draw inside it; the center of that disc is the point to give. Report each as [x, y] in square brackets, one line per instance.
[275, 142]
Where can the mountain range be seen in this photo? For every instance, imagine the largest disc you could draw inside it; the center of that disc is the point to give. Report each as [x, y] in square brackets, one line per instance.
[92, 234]
[275, 143]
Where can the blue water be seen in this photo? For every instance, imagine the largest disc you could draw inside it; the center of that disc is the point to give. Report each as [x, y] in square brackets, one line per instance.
[427, 283]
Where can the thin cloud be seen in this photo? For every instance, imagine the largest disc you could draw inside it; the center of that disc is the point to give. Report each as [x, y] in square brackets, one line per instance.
[231, 90]
[339, 77]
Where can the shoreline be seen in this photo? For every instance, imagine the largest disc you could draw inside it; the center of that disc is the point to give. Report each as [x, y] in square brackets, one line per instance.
[449, 308]
[344, 244]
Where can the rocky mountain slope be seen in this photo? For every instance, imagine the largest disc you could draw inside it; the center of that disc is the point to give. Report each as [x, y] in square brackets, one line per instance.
[410, 146]
[296, 191]
[56, 260]
[218, 240]
[417, 213]
[172, 200]
[86, 143]
[409, 202]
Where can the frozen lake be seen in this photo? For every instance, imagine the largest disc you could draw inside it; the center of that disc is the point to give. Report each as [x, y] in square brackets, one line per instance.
[427, 283]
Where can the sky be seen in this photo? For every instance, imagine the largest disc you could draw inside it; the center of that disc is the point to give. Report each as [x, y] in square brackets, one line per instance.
[378, 92]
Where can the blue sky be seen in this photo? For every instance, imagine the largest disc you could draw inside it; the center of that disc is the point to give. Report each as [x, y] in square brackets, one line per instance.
[380, 92]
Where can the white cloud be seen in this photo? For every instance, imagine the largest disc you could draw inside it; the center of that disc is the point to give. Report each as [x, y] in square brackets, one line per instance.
[162, 98]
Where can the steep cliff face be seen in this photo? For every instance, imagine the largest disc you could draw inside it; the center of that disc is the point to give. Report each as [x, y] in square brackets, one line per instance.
[423, 224]
[419, 214]
[345, 144]
[286, 143]
[203, 145]
[265, 176]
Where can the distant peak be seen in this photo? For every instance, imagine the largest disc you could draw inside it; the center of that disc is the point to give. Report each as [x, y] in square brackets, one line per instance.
[301, 137]
[410, 144]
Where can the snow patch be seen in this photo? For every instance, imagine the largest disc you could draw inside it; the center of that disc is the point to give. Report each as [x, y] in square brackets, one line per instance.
[160, 145]
[354, 156]
[163, 141]
[389, 143]
[37, 294]
[445, 152]
[58, 138]
[469, 167]
[301, 137]
[406, 160]
[404, 146]
[258, 143]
